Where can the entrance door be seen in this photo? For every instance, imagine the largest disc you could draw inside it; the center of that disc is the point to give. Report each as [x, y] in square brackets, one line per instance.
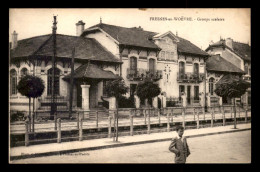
[79, 96]
[188, 94]
[93, 101]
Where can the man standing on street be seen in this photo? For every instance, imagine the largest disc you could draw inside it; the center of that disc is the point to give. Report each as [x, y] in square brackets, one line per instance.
[179, 146]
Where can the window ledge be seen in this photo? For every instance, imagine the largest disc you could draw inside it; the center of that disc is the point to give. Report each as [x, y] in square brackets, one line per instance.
[14, 97]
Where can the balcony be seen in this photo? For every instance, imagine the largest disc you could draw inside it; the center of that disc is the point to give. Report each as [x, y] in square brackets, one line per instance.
[141, 74]
[190, 77]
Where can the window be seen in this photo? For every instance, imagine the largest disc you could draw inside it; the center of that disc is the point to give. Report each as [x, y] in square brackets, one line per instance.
[13, 82]
[196, 92]
[132, 89]
[104, 88]
[56, 81]
[167, 56]
[246, 69]
[181, 90]
[133, 65]
[211, 86]
[162, 55]
[196, 68]
[181, 69]
[151, 65]
[24, 72]
[172, 56]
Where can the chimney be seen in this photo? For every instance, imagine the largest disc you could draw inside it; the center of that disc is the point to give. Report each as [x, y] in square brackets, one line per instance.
[80, 27]
[14, 40]
[229, 43]
[140, 28]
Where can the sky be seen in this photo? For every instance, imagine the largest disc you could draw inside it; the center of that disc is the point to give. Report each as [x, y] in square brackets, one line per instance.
[235, 23]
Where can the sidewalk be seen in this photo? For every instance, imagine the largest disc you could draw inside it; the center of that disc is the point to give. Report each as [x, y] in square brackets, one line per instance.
[85, 145]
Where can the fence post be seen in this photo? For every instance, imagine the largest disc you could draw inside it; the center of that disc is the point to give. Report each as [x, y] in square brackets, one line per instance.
[159, 116]
[131, 125]
[212, 117]
[214, 113]
[172, 115]
[148, 126]
[168, 123]
[29, 124]
[246, 116]
[80, 130]
[59, 130]
[26, 132]
[183, 117]
[194, 114]
[109, 126]
[97, 119]
[55, 121]
[238, 112]
[114, 124]
[78, 121]
[231, 109]
[33, 121]
[198, 120]
[203, 110]
[223, 112]
[144, 116]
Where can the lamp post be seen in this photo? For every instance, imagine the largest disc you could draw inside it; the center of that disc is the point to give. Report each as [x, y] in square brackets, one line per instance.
[53, 103]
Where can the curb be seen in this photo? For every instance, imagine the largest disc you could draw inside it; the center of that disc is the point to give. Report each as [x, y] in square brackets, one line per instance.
[34, 155]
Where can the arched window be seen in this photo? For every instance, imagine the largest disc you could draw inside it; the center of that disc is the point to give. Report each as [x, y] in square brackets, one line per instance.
[56, 82]
[24, 72]
[151, 65]
[181, 69]
[211, 85]
[196, 68]
[133, 65]
[13, 82]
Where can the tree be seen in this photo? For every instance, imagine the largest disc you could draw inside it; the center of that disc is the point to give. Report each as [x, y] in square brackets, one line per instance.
[232, 87]
[147, 90]
[116, 88]
[31, 87]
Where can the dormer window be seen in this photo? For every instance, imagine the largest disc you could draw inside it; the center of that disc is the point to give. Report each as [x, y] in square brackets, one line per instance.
[162, 55]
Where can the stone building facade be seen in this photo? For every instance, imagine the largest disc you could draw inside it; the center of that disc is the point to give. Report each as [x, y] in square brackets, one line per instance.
[104, 52]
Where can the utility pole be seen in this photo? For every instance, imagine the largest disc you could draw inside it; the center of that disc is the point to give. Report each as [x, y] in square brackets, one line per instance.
[71, 83]
[205, 82]
[53, 95]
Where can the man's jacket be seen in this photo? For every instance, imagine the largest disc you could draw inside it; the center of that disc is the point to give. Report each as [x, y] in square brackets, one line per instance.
[180, 147]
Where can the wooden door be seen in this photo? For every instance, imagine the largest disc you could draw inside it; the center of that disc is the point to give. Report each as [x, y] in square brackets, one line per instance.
[79, 96]
[93, 95]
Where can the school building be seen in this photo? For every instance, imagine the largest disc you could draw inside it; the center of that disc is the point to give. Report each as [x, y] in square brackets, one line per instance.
[106, 52]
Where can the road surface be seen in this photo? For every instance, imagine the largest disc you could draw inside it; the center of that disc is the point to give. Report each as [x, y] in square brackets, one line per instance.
[221, 148]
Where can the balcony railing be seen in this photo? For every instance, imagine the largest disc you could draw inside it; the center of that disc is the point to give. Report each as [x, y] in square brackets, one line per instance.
[140, 74]
[190, 77]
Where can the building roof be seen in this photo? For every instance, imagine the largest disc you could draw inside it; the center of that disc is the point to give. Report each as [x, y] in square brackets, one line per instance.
[86, 48]
[92, 71]
[127, 36]
[227, 78]
[138, 37]
[185, 46]
[241, 49]
[244, 50]
[217, 63]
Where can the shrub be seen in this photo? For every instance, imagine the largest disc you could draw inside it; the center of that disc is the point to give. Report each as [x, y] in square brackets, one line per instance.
[18, 116]
[170, 103]
[124, 102]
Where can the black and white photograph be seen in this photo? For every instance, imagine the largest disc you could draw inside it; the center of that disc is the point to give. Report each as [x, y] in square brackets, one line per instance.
[129, 86]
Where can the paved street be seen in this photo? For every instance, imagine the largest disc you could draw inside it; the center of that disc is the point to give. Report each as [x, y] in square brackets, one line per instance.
[221, 148]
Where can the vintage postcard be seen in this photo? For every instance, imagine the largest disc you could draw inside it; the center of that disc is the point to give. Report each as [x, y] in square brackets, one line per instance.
[129, 85]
